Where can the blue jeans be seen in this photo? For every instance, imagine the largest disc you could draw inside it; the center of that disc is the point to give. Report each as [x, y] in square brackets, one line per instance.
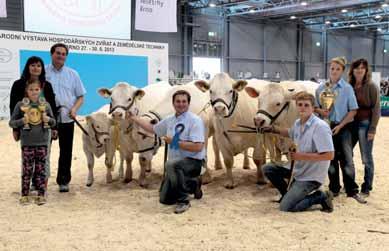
[179, 175]
[360, 131]
[344, 159]
[300, 196]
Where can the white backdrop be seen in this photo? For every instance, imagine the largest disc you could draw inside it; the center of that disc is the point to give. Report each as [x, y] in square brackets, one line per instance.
[3, 8]
[156, 15]
[95, 18]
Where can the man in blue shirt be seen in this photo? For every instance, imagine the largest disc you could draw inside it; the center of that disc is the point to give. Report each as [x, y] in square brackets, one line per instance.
[312, 159]
[69, 96]
[184, 132]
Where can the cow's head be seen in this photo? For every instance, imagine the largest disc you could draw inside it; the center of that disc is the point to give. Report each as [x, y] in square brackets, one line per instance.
[98, 126]
[147, 143]
[273, 102]
[123, 98]
[223, 92]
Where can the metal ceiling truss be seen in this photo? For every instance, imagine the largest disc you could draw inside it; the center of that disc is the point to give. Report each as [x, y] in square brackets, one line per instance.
[367, 14]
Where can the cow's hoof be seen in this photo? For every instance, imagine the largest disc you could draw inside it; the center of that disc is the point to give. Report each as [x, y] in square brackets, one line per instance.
[206, 178]
[218, 166]
[229, 185]
[143, 183]
[246, 167]
[108, 178]
[148, 170]
[127, 180]
[121, 175]
[89, 184]
[261, 182]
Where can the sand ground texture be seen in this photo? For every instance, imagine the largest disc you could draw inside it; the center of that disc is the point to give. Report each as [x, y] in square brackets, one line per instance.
[122, 216]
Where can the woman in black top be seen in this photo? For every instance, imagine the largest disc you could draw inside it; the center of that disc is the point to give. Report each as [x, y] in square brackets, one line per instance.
[34, 69]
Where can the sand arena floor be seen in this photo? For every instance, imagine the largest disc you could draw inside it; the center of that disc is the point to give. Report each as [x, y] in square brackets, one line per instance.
[122, 216]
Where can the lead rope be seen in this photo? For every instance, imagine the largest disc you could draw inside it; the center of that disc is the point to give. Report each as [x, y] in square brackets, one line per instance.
[115, 141]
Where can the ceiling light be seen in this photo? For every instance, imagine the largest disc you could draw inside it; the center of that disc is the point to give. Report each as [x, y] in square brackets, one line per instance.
[212, 5]
[384, 5]
[377, 16]
[352, 25]
[317, 44]
[328, 22]
[379, 29]
[252, 10]
[344, 11]
[292, 17]
[385, 51]
[304, 3]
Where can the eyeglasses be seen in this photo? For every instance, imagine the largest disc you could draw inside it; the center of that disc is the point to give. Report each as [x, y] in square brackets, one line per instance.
[303, 105]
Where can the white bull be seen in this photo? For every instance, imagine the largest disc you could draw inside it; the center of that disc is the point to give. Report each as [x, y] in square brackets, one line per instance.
[125, 97]
[232, 108]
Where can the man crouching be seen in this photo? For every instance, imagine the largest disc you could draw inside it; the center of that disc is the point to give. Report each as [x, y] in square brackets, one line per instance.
[184, 132]
[312, 159]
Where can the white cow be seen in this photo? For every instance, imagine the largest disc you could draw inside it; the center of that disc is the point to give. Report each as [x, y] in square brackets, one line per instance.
[100, 140]
[232, 108]
[125, 97]
[275, 102]
[199, 105]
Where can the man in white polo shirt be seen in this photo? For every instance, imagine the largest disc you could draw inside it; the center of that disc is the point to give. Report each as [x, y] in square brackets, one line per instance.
[69, 96]
[315, 150]
[184, 132]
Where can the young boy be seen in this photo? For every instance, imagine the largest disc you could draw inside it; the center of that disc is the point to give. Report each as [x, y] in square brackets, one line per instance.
[315, 149]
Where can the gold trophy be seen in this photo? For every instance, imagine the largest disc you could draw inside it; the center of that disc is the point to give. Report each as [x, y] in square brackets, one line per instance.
[25, 107]
[42, 109]
[327, 99]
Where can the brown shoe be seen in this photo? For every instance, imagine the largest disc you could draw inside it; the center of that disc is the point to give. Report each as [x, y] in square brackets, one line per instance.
[40, 200]
[24, 200]
[359, 198]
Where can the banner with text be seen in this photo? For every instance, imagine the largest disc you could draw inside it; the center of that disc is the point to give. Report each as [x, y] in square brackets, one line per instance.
[384, 106]
[100, 62]
[384, 89]
[93, 18]
[3, 8]
[156, 15]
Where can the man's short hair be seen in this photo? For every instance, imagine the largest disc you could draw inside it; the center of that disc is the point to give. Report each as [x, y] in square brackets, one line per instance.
[52, 50]
[305, 96]
[181, 92]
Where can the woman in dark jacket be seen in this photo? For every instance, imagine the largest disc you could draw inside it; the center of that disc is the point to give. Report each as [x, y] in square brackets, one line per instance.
[34, 69]
[366, 120]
